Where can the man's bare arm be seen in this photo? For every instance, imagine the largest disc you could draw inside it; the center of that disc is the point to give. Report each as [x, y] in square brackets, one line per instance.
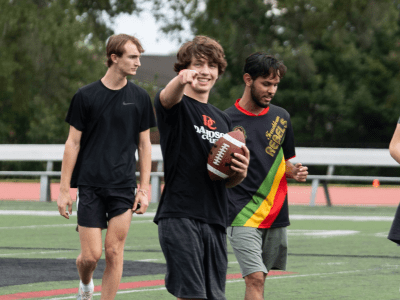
[144, 151]
[72, 147]
[173, 92]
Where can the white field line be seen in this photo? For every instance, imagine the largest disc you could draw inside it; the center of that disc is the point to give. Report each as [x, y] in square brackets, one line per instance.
[341, 218]
[34, 253]
[38, 226]
[321, 233]
[16, 254]
[61, 225]
[152, 214]
[147, 260]
[45, 213]
[120, 292]
[239, 280]
[307, 275]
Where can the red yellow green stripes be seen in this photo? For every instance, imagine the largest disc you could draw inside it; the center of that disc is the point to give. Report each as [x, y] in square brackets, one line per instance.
[266, 203]
[276, 207]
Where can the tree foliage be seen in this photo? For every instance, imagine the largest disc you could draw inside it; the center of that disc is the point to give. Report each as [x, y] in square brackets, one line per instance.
[342, 86]
[48, 49]
[343, 57]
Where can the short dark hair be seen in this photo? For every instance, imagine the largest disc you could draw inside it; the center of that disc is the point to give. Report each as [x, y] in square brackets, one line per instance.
[116, 43]
[201, 47]
[262, 64]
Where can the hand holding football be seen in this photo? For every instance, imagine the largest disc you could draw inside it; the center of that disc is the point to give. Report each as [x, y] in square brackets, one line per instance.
[221, 155]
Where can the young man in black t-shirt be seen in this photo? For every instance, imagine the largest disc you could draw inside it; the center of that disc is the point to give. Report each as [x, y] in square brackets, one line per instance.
[109, 120]
[258, 208]
[193, 212]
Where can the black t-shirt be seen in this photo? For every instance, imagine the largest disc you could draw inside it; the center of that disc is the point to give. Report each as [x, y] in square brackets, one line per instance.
[187, 132]
[110, 121]
[260, 201]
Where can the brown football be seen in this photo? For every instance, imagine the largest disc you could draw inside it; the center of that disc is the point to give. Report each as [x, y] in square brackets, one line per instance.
[220, 156]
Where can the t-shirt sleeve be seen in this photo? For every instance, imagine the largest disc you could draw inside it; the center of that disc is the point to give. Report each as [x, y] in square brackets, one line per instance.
[77, 115]
[288, 143]
[168, 116]
[148, 119]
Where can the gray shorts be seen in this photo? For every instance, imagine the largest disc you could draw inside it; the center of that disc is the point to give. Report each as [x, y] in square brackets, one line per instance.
[259, 250]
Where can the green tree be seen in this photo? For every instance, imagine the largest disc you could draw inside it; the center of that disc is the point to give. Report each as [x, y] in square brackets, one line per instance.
[342, 56]
[49, 49]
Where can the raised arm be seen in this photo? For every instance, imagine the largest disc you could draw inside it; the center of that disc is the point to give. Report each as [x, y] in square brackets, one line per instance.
[72, 147]
[144, 151]
[173, 92]
[394, 147]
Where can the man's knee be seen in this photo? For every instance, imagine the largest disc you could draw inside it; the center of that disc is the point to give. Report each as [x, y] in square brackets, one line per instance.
[255, 280]
[113, 253]
[87, 261]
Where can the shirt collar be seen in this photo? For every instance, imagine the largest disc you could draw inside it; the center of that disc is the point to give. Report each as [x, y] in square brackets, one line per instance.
[263, 112]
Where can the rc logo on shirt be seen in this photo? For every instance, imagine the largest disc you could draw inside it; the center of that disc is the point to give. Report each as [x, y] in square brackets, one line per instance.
[209, 122]
[276, 135]
[211, 135]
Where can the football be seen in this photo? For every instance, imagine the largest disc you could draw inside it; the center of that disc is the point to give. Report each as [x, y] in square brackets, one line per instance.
[220, 155]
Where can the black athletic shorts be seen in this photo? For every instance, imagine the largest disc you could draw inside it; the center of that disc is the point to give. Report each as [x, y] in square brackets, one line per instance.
[196, 256]
[96, 205]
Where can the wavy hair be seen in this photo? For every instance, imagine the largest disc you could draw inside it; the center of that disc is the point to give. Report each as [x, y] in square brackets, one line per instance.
[201, 47]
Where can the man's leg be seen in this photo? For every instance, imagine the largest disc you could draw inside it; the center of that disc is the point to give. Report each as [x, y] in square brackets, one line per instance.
[247, 246]
[255, 286]
[117, 232]
[183, 249]
[215, 261]
[91, 249]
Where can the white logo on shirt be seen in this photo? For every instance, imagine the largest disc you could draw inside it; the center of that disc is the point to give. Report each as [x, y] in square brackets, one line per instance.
[211, 136]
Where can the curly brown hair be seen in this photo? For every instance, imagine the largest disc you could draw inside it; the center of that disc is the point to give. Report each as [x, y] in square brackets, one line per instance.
[201, 47]
[116, 43]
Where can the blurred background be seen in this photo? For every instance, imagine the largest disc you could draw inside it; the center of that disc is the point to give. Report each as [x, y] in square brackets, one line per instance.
[342, 90]
[342, 87]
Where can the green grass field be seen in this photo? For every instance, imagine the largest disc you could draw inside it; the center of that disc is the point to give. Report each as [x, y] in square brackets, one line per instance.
[329, 259]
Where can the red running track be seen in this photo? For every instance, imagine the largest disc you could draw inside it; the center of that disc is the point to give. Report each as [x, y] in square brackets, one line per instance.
[122, 286]
[370, 196]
